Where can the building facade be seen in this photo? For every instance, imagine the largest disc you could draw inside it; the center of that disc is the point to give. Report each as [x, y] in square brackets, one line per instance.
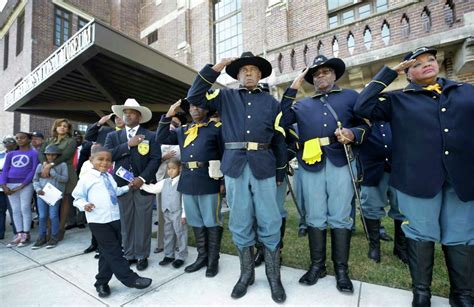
[366, 34]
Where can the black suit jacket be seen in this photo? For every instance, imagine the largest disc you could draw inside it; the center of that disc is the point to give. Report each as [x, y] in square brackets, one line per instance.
[142, 165]
[97, 134]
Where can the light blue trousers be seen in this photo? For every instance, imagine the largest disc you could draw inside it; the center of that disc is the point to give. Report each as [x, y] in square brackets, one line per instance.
[327, 196]
[374, 199]
[251, 199]
[443, 218]
[281, 197]
[203, 210]
[298, 190]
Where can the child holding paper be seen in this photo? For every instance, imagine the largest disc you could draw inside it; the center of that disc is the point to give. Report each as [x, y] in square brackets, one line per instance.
[58, 178]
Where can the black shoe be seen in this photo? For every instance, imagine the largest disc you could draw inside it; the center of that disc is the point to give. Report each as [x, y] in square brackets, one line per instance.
[81, 226]
[97, 255]
[340, 245]
[420, 261]
[132, 261]
[302, 232]
[383, 235]
[103, 290]
[177, 263]
[247, 272]
[68, 227]
[400, 244]
[141, 283]
[317, 250]
[373, 229]
[142, 264]
[90, 249]
[460, 267]
[272, 270]
[214, 238]
[166, 260]
[158, 250]
[200, 235]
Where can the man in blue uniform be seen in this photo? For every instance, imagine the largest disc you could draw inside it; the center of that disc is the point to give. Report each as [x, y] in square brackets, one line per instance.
[432, 168]
[254, 160]
[326, 181]
[376, 157]
[200, 143]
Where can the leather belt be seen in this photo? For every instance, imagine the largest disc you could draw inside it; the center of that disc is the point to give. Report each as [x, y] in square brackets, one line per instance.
[247, 145]
[325, 141]
[195, 164]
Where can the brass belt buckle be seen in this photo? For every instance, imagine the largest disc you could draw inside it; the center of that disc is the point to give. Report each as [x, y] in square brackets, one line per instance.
[192, 164]
[324, 141]
[252, 146]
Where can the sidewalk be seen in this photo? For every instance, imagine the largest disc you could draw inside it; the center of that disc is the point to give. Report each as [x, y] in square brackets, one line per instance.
[64, 276]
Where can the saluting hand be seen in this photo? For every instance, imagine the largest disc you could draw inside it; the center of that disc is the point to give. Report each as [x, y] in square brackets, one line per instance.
[172, 111]
[104, 119]
[299, 80]
[344, 135]
[223, 63]
[137, 139]
[400, 68]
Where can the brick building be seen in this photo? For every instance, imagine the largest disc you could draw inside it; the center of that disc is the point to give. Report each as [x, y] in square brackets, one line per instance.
[367, 34]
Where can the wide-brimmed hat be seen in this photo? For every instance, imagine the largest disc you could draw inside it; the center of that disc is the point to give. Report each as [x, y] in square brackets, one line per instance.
[247, 58]
[319, 61]
[185, 106]
[413, 54]
[52, 150]
[132, 104]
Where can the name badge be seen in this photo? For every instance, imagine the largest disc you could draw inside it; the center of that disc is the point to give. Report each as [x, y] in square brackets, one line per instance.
[144, 147]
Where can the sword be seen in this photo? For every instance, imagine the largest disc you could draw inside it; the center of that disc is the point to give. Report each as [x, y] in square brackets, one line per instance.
[292, 193]
[354, 184]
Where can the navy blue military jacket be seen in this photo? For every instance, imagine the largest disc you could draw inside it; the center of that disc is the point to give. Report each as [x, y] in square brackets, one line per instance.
[207, 146]
[247, 116]
[97, 134]
[432, 138]
[376, 153]
[314, 120]
[144, 164]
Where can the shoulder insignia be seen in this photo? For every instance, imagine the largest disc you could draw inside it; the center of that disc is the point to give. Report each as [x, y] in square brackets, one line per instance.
[213, 94]
[218, 124]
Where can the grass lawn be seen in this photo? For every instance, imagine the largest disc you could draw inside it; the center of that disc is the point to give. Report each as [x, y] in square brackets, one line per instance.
[389, 272]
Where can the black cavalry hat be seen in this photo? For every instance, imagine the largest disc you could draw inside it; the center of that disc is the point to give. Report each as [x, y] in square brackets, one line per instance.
[335, 63]
[413, 54]
[247, 58]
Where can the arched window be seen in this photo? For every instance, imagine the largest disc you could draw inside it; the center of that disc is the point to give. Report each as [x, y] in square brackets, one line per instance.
[280, 62]
[350, 43]
[405, 26]
[305, 55]
[292, 59]
[449, 16]
[385, 33]
[335, 47]
[426, 19]
[367, 38]
[320, 48]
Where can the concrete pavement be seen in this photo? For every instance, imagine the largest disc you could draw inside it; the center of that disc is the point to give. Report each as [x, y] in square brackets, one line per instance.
[64, 276]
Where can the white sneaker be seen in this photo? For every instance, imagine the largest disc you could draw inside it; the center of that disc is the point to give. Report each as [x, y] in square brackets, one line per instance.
[15, 241]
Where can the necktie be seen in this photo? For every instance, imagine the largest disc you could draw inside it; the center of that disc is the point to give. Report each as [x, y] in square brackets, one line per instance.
[435, 88]
[130, 133]
[110, 188]
[192, 133]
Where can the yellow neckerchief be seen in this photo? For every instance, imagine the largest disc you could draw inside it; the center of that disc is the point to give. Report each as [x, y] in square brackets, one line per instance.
[435, 88]
[118, 128]
[192, 133]
[312, 151]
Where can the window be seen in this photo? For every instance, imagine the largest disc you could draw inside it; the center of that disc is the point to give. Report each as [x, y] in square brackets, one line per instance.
[405, 26]
[320, 48]
[348, 16]
[152, 37]
[280, 63]
[20, 32]
[351, 43]
[333, 22]
[364, 11]
[449, 16]
[227, 29]
[81, 22]
[292, 59]
[62, 26]
[334, 4]
[335, 47]
[381, 5]
[305, 55]
[344, 12]
[426, 19]
[5, 50]
[367, 38]
[385, 33]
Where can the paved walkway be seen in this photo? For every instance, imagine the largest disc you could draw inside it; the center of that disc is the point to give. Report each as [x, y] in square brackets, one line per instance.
[64, 276]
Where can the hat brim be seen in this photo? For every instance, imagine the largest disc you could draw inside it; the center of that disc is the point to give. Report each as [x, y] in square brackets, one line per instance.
[144, 111]
[416, 54]
[265, 67]
[335, 63]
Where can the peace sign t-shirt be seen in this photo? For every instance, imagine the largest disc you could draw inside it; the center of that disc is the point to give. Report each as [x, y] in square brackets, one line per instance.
[19, 167]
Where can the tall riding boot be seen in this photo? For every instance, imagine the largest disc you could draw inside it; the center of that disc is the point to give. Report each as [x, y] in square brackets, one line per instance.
[214, 236]
[272, 269]
[317, 251]
[400, 244]
[200, 234]
[459, 260]
[259, 253]
[420, 261]
[373, 229]
[340, 245]
[247, 272]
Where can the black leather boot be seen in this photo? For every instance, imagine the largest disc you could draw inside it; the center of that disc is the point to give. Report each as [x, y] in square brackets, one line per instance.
[459, 260]
[400, 244]
[420, 261]
[317, 251]
[214, 238]
[373, 229]
[200, 234]
[247, 272]
[259, 253]
[272, 269]
[340, 245]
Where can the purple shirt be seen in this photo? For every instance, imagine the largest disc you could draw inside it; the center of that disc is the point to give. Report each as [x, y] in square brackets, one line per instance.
[19, 167]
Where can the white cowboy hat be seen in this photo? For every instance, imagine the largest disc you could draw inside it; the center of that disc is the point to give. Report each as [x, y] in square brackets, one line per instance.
[132, 104]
